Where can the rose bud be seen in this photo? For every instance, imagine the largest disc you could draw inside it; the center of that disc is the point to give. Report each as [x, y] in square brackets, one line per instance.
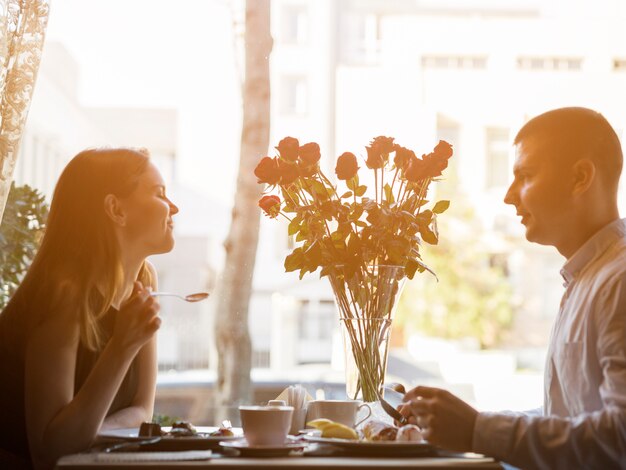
[271, 205]
[435, 164]
[374, 158]
[416, 171]
[403, 157]
[384, 144]
[347, 166]
[288, 172]
[310, 153]
[443, 149]
[288, 149]
[267, 171]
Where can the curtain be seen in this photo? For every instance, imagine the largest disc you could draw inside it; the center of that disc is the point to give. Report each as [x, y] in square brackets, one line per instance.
[22, 32]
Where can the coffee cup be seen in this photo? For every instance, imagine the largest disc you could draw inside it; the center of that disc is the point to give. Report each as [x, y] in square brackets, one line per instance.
[265, 425]
[340, 411]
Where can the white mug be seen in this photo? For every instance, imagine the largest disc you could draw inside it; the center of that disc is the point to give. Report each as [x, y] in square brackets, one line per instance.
[265, 425]
[340, 411]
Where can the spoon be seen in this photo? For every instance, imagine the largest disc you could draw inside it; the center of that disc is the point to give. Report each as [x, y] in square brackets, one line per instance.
[197, 297]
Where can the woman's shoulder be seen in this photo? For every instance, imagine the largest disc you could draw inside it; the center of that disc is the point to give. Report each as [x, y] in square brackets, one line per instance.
[64, 298]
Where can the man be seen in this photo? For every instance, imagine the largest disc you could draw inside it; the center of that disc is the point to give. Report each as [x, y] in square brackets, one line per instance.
[566, 175]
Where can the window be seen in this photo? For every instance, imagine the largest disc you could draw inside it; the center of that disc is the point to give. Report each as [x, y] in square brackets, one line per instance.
[454, 62]
[449, 130]
[316, 322]
[294, 24]
[294, 95]
[497, 149]
[549, 63]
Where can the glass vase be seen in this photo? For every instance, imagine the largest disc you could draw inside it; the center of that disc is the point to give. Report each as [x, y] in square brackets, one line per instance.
[366, 300]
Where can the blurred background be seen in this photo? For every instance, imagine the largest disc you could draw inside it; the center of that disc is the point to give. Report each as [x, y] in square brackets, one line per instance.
[167, 76]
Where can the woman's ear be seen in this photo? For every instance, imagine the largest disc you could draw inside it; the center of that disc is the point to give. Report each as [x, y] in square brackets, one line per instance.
[114, 210]
[584, 175]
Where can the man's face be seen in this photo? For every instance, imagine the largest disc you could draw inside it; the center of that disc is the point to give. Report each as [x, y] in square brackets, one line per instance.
[541, 192]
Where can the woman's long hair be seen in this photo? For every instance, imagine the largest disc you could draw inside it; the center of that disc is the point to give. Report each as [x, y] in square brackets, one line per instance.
[79, 255]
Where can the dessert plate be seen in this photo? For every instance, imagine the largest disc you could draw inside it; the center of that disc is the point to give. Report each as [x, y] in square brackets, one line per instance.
[379, 448]
[201, 440]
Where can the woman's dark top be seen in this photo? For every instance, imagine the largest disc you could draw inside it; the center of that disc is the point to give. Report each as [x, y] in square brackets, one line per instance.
[14, 334]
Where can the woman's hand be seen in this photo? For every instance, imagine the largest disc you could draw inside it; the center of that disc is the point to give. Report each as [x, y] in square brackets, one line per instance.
[445, 420]
[137, 321]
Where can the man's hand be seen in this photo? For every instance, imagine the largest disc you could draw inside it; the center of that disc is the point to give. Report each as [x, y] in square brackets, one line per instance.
[445, 420]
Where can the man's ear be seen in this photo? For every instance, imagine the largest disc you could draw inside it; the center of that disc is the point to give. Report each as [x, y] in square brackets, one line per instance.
[584, 176]
[114, 210]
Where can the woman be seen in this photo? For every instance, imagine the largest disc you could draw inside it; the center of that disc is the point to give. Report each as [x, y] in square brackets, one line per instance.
[77, 339]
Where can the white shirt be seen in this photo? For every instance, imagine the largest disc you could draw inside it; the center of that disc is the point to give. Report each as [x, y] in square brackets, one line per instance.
[584, 421]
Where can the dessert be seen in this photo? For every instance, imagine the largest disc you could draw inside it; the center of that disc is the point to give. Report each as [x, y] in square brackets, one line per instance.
[379, 431]
[150, 430]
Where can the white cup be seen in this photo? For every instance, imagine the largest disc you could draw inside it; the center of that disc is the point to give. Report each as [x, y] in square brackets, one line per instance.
[265, 425]
[340, 411]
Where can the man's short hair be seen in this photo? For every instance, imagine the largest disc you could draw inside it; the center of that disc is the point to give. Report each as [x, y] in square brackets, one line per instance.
[573, 133]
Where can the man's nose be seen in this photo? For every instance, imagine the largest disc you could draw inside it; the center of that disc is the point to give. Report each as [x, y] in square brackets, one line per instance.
[509, 197]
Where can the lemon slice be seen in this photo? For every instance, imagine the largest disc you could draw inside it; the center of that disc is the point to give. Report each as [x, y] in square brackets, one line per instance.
[320, 423]
[339, 430]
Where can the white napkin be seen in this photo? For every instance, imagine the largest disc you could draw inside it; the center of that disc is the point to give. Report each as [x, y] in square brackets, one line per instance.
[296, 396]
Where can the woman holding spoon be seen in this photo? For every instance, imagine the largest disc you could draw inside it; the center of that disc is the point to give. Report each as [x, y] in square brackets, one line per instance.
[78, 338]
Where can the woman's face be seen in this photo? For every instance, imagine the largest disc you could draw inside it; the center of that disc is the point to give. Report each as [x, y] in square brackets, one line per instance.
[148, 223]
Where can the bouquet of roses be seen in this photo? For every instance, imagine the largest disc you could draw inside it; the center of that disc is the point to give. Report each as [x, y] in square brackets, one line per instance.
[350, 229]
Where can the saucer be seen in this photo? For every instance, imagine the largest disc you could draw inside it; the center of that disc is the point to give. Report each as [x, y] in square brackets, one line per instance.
[246, 450]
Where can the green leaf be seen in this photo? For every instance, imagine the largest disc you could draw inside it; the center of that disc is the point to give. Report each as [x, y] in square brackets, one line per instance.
[346, 194]
[294, 226]
[360, 190]
[294, 260]
[389, 194]
[441, 207]
[428, 235]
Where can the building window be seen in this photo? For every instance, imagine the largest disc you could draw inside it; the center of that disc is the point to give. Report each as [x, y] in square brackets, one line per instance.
[619, 64]
[549, 63]
[450, 131]
[294, 95]
[497, 149]
[454, 62]
[316, 320]
[294, 24]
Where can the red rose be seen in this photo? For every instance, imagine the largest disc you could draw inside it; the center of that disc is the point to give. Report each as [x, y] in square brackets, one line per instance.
[288, 172]
[417, 170]
[384, 144]
[443, 149]
[435, 164]
[267, 171]
[347, 166]
[271, 205]
[288, 149]
[310, 153]
[374, 158]
[403, 157]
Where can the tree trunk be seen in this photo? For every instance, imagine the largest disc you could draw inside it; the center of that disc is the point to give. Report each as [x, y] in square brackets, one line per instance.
[232, 336]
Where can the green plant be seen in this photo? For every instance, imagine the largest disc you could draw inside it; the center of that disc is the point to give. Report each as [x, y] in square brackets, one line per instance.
[21, 230]
[473, 297]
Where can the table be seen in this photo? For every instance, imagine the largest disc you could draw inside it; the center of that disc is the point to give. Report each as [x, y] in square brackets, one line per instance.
[88, 462]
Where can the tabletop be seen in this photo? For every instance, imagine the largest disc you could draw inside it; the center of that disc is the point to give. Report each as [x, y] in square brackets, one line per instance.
[92, 461]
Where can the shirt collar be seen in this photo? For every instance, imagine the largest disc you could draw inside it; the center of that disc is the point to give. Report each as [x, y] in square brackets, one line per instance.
[593, 248]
